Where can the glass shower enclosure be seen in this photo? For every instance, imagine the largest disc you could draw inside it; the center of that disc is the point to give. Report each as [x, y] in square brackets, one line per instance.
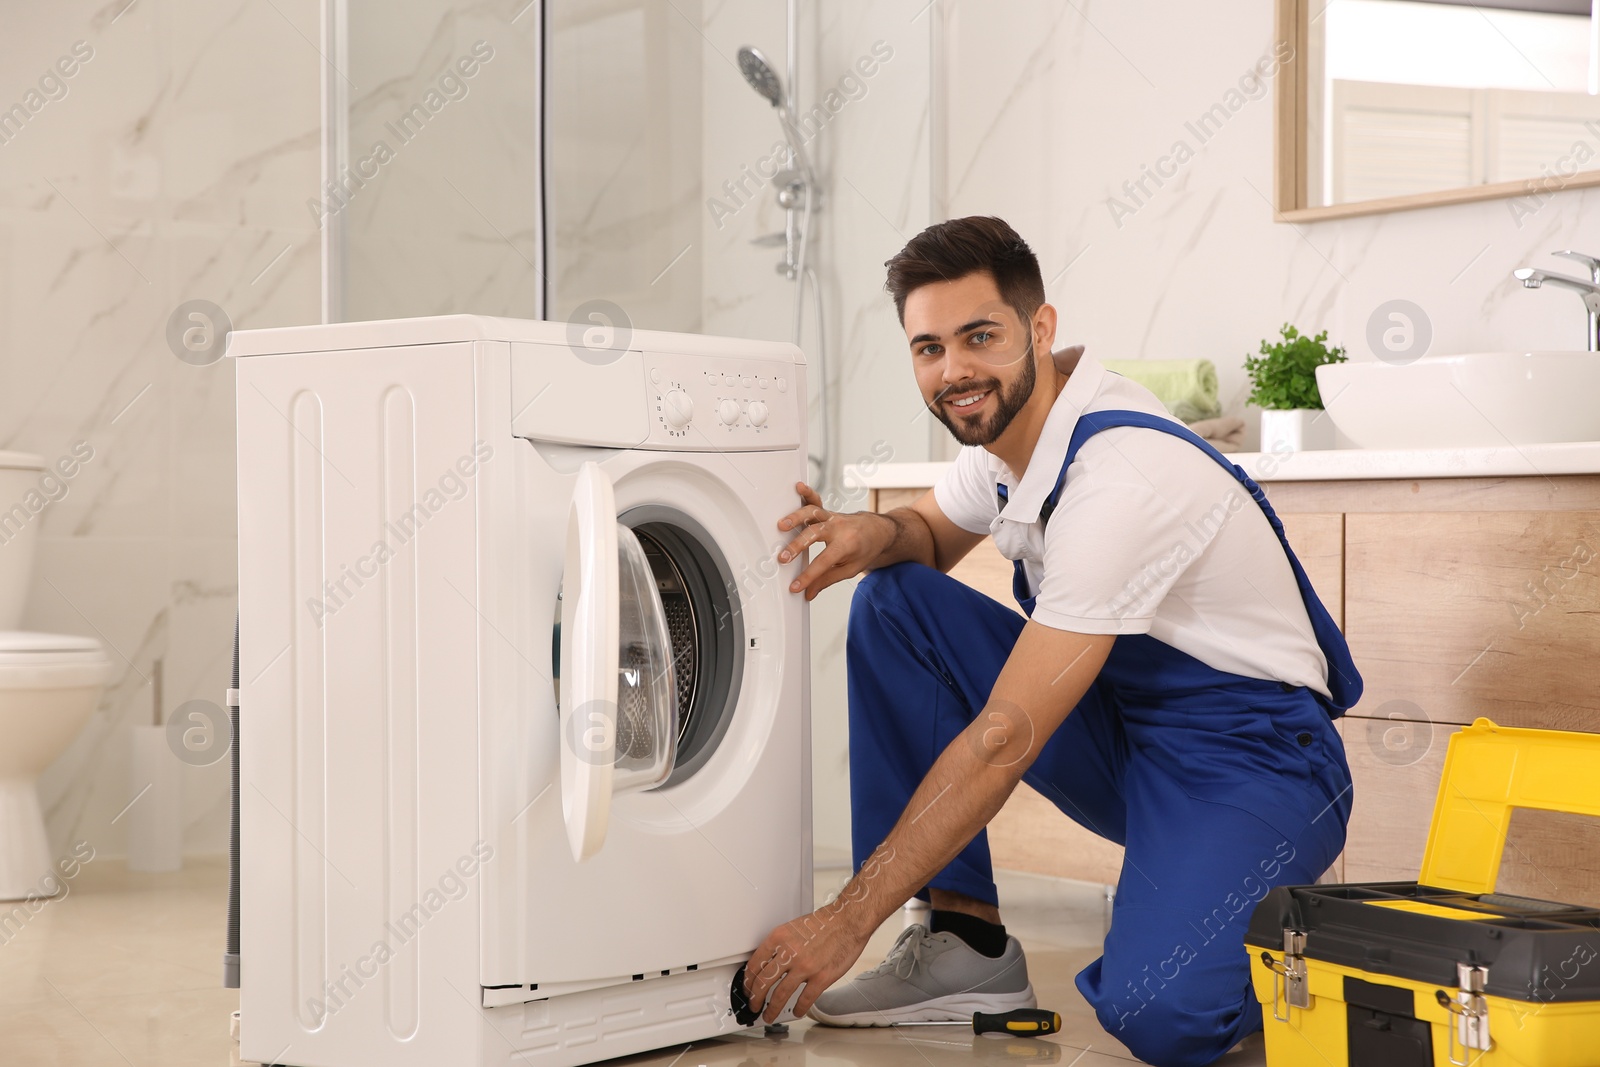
[582, 160]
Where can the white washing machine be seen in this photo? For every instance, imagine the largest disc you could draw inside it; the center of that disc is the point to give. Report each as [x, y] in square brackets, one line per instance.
[444, 523]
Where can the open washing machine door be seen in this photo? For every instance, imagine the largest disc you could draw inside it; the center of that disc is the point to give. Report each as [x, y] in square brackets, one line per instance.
[617, 703]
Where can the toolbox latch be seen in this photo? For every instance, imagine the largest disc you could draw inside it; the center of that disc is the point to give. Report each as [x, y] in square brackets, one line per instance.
[1289, 987]
[1471, 1012]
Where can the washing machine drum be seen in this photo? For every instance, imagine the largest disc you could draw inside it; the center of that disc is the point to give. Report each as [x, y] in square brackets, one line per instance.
[704, 633]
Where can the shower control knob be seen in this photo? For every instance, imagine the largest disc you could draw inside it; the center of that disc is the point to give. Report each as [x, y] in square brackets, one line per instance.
[757, 413]
[728, 411]
[677, 408]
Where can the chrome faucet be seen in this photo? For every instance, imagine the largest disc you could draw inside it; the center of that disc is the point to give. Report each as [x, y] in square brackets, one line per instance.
[1532, 278]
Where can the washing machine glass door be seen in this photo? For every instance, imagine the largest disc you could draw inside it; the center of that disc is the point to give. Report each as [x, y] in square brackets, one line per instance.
[618, 708]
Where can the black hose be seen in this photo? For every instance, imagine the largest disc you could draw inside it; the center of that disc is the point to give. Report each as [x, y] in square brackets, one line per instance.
[230, 959]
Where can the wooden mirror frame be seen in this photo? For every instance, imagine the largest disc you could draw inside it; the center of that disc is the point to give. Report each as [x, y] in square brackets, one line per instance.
[1289, 132]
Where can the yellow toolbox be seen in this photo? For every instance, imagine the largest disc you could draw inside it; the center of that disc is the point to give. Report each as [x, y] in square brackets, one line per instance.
[1443, 970]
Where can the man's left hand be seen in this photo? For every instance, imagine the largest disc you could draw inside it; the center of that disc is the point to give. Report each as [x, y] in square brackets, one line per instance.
[814, 951]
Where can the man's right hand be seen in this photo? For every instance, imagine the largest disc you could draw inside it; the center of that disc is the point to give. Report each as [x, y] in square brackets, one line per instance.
[854, 541]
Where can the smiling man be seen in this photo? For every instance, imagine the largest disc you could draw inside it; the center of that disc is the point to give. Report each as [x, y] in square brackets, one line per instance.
[1171, 688]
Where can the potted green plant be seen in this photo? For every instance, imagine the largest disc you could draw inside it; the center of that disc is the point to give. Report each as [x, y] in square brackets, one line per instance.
[1283, 381]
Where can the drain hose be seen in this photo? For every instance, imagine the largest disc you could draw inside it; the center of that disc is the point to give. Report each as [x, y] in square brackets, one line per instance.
[230, 958]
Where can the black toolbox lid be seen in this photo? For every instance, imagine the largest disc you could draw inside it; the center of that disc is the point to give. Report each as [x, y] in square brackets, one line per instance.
[1535, 950]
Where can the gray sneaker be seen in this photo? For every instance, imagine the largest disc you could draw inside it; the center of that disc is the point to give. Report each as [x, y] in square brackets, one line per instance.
[929, 978]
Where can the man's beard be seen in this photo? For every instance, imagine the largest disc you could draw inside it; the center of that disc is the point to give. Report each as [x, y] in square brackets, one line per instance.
[1007, 403]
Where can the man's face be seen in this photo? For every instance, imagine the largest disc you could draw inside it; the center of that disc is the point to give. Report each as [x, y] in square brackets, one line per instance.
[973, 356]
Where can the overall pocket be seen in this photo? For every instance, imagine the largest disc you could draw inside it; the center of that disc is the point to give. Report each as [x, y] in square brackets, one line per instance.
[1274, 755]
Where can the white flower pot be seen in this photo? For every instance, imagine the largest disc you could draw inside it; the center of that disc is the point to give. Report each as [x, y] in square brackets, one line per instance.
[1296, 430]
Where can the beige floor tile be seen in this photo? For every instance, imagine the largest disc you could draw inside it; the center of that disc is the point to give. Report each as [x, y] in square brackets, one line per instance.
[51, 1034]
[162, 931]
[165, 1029]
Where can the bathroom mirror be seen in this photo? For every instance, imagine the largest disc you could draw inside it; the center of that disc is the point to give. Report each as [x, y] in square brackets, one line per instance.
[1394, 104]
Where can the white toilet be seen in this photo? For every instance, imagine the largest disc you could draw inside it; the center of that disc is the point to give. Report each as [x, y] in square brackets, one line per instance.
[49, 684]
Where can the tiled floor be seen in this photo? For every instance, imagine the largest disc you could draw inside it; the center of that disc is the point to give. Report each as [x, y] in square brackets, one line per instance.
[126, 969]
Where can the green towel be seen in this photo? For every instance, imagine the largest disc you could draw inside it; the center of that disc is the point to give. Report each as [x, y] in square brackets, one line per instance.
[1187, 386]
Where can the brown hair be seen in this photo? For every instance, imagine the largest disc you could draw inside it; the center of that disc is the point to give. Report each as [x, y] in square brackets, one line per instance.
[949, 250]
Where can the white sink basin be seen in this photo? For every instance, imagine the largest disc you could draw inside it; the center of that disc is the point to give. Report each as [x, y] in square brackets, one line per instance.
[1482, 399]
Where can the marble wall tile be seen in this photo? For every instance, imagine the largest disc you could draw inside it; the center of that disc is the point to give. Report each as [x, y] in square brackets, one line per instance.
[743, 295]
[876, 152]
[239, 126]
[447, 218]
[82, 339]
[625, 136]
[176, 167]
[97, 141]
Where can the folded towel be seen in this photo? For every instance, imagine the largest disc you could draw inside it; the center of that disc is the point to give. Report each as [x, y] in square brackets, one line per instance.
[1188, 387]
[1225, 434]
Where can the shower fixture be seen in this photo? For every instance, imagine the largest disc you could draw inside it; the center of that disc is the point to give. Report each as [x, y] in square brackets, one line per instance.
[796, 183]
[799, 195]
[758, 72]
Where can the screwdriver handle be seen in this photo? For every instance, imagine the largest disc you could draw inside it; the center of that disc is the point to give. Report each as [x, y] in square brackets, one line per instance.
[1024, 1022]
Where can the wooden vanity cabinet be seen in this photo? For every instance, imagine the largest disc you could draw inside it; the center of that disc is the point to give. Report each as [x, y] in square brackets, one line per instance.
[1461, 598]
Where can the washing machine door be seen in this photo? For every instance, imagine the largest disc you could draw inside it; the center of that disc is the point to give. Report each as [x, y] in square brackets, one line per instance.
[617, 695]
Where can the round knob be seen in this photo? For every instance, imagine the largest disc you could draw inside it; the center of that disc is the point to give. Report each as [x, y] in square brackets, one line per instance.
[758, 413]
[678, 408]
[728, 411]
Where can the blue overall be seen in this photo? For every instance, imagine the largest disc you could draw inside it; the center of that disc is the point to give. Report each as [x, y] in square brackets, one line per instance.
[1219, 785]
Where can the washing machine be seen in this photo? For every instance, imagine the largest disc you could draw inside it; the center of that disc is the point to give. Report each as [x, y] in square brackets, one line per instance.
[523, 743]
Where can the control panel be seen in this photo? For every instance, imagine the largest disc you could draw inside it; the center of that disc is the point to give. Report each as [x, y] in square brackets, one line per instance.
[721, 402]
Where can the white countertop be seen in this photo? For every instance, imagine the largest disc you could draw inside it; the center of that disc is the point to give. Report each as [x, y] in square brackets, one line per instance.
[1579, 457]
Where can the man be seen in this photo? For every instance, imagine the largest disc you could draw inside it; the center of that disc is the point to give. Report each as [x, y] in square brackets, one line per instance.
[1172, 690]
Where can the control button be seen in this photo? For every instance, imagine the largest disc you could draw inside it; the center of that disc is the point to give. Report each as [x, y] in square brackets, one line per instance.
[758, 413]
[783, 385]
[678, 408]
[655, 375]
[730, 379]
[748, 382]
[728, 411]
[763, 382]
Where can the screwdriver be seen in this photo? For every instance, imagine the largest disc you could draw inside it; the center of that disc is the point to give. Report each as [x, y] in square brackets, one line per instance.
[1023, 1022]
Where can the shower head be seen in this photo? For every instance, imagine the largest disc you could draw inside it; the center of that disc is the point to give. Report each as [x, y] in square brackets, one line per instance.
[759, 73]
[764, 80]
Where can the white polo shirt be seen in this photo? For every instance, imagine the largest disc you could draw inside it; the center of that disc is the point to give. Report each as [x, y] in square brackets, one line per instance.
[1150, 535]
